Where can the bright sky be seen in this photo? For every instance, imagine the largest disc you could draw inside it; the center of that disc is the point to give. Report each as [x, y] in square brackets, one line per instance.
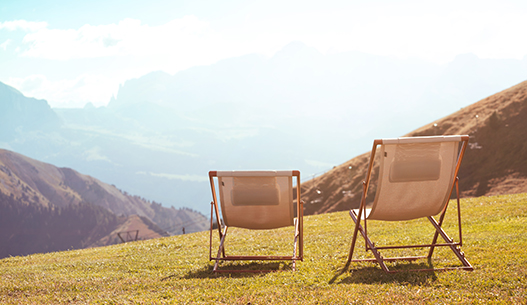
[74, 52]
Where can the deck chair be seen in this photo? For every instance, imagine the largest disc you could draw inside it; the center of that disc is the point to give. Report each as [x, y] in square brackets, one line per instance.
[256, 200]
[416, 178]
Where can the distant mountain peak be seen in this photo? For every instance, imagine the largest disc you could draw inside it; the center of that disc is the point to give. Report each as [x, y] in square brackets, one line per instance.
[466, 57]
[141, 89]
[18, 112]
[89, 105]
[298, 50]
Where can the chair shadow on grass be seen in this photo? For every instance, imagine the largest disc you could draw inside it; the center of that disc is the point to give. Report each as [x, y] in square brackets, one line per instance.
[373, 274]
[256, 269]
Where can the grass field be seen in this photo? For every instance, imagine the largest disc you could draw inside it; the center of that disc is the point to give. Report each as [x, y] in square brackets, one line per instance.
[177, 270]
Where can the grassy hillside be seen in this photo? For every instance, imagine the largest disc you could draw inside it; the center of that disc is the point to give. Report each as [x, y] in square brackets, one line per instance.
[176, 269]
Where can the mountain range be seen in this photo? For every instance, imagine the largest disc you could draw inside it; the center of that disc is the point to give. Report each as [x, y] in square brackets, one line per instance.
[299, 109]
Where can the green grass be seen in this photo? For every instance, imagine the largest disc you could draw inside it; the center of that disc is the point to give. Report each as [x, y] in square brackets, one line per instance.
[177, 269]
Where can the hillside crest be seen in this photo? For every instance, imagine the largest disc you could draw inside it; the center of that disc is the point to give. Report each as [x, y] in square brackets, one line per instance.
[494, 164]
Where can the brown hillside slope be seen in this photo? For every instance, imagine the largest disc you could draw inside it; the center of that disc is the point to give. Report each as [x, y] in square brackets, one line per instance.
[32, 181]
[29, 179]
[496, 162]
[44, 208]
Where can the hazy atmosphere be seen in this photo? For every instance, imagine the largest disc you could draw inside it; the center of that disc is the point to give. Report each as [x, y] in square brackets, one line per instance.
[150, 97]
[71, 53]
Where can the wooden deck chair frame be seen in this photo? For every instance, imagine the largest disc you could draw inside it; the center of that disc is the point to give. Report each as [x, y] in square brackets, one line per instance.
[358, 215]
[298, 244]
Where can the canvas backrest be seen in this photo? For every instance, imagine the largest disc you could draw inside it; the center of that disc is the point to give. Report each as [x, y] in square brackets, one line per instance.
[256, 199]
[415, 177]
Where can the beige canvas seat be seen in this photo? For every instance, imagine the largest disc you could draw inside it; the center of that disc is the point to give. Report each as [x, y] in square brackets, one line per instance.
[416, 177]
[255, 200]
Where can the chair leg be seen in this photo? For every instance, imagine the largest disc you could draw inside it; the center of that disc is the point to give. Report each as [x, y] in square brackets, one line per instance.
[436, 234]
[220, 250]
[439, 231]
[442, 217]
[455, 248]
[210, 231]
[356, 219]
[371, 246]
[297, 233]
[354, 238]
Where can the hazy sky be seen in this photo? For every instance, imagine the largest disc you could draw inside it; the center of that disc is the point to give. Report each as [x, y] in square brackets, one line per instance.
[74, 52]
